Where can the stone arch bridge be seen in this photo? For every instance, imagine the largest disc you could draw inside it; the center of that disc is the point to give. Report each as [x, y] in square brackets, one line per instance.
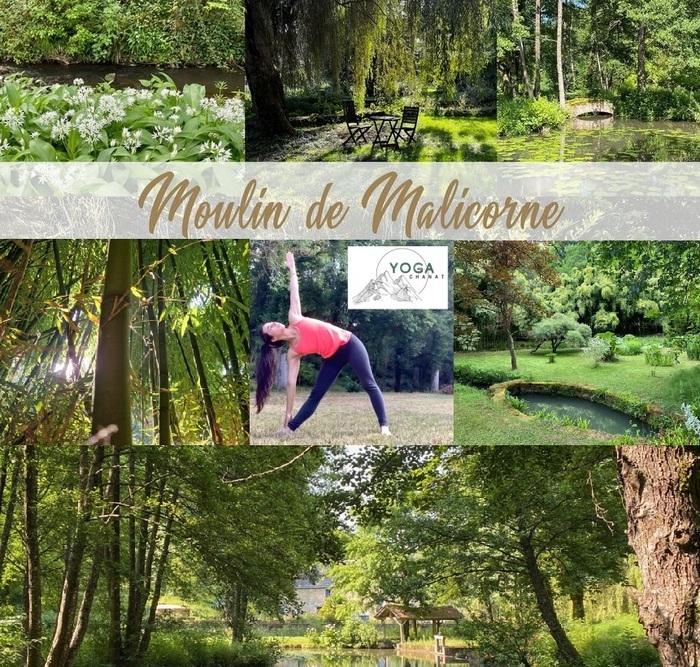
[583, 107]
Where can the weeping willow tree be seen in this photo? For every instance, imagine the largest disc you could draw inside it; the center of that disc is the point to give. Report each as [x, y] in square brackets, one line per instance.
[146, 341]
[358, 46]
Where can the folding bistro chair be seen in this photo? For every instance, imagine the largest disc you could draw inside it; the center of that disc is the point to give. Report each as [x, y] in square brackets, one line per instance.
[357, 130]
[409, 121]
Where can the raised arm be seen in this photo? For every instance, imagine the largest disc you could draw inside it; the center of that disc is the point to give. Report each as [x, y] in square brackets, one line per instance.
[294, 302]
[293, 361]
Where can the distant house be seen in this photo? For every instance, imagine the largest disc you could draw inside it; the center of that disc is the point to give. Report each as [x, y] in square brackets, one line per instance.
[312, 596]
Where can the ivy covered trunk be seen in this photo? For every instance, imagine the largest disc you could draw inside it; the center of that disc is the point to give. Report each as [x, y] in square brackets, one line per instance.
[661, 493]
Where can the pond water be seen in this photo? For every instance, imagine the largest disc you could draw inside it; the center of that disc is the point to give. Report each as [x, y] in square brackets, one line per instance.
[601, 417]
[607, 139]
[126, 75]
[348, 658]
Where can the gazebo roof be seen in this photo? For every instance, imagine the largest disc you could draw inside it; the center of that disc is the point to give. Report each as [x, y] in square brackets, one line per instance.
[402, 614]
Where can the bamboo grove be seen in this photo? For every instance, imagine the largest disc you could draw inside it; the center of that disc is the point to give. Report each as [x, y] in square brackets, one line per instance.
[142, 342]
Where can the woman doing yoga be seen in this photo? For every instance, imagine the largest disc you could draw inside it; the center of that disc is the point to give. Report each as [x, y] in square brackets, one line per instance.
[304, 335]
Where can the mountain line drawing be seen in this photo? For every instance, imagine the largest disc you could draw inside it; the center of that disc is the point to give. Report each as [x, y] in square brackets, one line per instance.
[385, 287]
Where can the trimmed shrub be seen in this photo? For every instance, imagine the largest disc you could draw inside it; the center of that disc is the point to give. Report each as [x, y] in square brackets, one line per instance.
[524, 116]
[482, 377]
[629, 346]
[560, 329]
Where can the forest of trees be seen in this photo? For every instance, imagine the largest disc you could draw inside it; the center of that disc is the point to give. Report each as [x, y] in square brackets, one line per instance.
[526, 539]
[91, 538]
[406, 347]
[360, 48]
[123, 341]
[123, 31]
[644, 55]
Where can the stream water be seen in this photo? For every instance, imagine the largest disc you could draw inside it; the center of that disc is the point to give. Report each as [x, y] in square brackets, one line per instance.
[601, 417]
[126, 75]
[351, 658]
[607, 139]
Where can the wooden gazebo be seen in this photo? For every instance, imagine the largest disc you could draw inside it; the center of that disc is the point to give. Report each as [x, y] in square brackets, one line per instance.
[405, 616]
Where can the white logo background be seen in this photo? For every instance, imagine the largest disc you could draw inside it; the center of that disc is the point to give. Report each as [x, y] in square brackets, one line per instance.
[398, 277]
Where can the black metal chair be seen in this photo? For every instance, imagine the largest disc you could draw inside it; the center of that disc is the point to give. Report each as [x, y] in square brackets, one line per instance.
[358, 131]
[409, 122]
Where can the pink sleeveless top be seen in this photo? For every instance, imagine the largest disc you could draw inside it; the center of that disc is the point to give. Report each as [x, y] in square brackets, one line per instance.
[316, 337]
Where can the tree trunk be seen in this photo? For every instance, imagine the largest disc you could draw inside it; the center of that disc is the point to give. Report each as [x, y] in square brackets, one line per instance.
[538, 46]
[565, 649]
[262, 74]
[578, 610]
[114, 645]
[31, 536]
[521, 51]
[163, 374]
[9, 513]
[560, 59]
[661, 490]
[112, 400]
[641, 57]
[511, 350]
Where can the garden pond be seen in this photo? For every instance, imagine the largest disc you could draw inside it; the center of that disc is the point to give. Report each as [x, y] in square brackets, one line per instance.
[354, 658]
[607, 139]
[126, 75]
[600, 417]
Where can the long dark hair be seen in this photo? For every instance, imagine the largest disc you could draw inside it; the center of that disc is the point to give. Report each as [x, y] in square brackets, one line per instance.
[265, 373]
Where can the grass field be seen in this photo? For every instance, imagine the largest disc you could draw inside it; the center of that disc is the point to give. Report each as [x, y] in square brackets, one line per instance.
[479, 421]
[347, 419]
[627, 375]
[438, 139]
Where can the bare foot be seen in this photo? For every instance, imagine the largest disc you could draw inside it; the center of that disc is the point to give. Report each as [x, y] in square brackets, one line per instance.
[284, 432]
[385, 430]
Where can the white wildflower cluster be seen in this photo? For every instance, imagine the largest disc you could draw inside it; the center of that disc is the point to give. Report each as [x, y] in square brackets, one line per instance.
[215, 151]
[4, 146]
[692, 423]
[13, 118]
[131, 140]
[166, 134]
[231, 111]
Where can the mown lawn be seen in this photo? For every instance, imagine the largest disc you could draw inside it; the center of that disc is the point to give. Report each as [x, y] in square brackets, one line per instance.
[438, 139]
[348, 419]
[479, 421]
[627, 375]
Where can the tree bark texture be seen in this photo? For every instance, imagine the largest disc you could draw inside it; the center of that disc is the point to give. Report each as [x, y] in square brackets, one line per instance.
[112, 402]
[262, 73]
[661, 493]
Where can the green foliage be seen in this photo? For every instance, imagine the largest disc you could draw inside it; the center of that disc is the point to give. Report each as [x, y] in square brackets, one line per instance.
[525, 116]
[155, 123]
[617, 643]
[656, 355]
[629, 346]
[482, 377]
[517, 403]
[684, 385]
[605, 321]
[692, 347]
[352, 634]
[602, 347]
[653, 103]
[147, 31]
[551, 417]
[561, 329]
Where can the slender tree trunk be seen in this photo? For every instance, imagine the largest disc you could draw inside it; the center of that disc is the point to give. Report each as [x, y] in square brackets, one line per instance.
[31, 536]
[566, 650]
[14, 288]
[641, 57]
[560, 58]
[9, 513]
[578, 610]
[163, 374]
[262, 74]
[661, 493]
[114, 645]
[521, 51]
[538, 47]
[511, 350]
[112, 400]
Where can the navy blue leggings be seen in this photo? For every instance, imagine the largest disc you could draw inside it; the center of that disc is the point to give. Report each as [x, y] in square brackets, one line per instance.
[355, 354]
